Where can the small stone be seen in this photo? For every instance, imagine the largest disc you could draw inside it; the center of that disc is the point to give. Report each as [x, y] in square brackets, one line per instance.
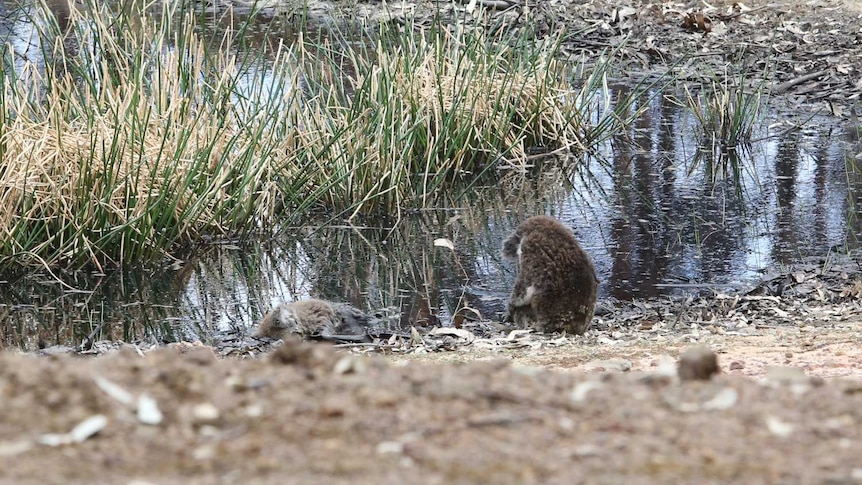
[697, 363]
[148, 410]
[390, 448]
[724, 399]
[349, 364]
[209, 432]
[12, 448]
[587, 450]
[205, 413]
[254, 410]
[204, 453]
[737, 365]
[80, 433]
[664, 373]
[88, 427]
[579, 393]
[54, 439]
[778, 427]
[116, 392]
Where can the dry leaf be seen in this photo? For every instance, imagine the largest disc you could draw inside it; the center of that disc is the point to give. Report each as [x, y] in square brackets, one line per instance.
[794, 29]
[454, 332]
[444, 243]
[516, 334]
[697, 22]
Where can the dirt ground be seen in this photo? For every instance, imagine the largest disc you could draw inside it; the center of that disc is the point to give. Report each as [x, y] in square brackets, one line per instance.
[307, 413]
[478, 405]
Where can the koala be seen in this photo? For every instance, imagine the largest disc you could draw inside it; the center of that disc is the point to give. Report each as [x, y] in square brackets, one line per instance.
[314, 318]
[556, 286]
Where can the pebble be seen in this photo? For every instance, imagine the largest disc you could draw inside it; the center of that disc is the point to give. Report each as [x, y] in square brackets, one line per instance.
[579, 393]
[350, 364]
[148, 410]
[205, 413]
[779, 428]
[697, 363]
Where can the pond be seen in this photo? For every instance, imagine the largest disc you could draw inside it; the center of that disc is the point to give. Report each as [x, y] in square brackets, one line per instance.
[655, 222]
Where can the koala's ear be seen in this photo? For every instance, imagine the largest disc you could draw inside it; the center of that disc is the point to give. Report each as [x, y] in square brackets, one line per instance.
[282, 316]
[510, 247]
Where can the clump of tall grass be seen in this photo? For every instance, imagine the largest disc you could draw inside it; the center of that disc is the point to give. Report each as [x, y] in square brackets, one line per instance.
[725, 112]
[136, 137]
[420, 113]
[129, 142]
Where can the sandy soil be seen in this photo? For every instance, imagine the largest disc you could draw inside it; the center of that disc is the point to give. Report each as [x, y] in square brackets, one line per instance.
[603, 408]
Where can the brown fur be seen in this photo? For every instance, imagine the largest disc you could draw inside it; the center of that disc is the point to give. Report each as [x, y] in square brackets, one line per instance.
[556, 285]
[312, 318]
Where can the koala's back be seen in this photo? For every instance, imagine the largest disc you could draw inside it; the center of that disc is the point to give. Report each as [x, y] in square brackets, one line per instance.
[309, 318]
[304, 318]
[556, 277]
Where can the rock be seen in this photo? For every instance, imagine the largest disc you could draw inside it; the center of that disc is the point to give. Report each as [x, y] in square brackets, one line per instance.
[579, 393]
[148, 410]
[697, 363]
[205, 413]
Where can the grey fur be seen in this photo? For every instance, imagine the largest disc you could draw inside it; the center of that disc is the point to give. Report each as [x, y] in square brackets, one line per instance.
[556, 285]
[313, 318]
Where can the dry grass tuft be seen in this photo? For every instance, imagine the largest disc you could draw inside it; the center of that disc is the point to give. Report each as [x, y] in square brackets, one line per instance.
[138, 139]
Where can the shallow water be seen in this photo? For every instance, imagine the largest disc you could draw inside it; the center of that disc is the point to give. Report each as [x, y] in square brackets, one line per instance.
[654, 222]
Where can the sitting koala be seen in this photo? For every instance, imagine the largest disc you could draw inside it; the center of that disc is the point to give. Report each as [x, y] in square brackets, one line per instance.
[556, 285]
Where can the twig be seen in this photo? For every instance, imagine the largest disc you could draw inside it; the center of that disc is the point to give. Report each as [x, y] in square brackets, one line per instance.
[364, 344]
[801, 79]
[813, 347]
[88, 342]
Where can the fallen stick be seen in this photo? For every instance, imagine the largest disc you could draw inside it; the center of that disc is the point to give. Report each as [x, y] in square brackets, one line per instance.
[802, 79]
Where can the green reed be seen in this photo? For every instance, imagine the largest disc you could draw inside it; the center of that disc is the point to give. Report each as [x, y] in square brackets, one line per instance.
[725, 112]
